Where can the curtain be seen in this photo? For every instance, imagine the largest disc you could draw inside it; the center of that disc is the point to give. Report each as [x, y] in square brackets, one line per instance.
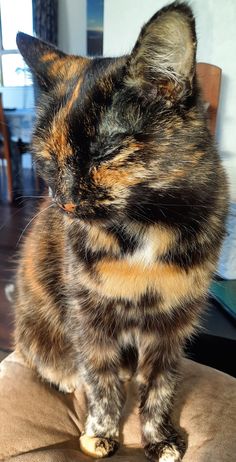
[45, 19]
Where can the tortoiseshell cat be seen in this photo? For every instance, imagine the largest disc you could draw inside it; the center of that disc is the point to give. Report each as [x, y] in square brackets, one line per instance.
[123, 258]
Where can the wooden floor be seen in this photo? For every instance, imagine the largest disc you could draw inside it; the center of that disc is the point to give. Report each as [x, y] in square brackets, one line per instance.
[13, 220]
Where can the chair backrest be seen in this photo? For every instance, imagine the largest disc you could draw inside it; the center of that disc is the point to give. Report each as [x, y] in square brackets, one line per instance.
[6, 150]
[209, 77]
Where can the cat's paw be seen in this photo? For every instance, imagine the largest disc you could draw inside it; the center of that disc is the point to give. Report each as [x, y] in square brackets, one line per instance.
[65, 385]
[68, 385]
[164, 452]
[97, 447]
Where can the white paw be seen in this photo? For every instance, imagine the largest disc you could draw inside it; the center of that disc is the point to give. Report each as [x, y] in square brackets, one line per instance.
[67, 386]
[170, 454]
[97, 447]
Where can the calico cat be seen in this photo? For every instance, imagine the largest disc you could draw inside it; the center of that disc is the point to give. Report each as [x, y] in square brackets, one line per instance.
[115, 269]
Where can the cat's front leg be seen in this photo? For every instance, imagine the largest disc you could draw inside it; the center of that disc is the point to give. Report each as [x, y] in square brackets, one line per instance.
[105, 395]
[157, 378]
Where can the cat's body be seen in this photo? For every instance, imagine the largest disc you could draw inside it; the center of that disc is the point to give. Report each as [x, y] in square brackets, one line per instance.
[117, 280]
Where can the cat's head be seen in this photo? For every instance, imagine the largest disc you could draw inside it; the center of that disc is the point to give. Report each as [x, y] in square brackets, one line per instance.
[112, 135]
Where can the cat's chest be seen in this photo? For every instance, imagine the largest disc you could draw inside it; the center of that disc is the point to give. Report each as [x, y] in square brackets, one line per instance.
[138, 274]
[142, 275]
[143, 255]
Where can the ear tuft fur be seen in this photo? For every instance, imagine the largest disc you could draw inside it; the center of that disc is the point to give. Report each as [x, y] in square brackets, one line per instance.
[163, 59]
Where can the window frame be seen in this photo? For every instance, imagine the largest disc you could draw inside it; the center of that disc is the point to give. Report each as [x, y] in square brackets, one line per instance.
[6, 52]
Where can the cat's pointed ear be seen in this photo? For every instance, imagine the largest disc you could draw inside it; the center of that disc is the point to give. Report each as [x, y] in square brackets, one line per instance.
[47, 64]
[162, 63]
[39, 56]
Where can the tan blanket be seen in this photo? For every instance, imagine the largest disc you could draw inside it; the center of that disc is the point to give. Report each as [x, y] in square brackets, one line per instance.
[39, 424]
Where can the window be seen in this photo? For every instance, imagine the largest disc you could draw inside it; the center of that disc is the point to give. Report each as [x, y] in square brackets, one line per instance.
[95, 15]
[15, 15]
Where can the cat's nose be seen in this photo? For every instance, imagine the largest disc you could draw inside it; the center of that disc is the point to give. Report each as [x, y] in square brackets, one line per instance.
[69, 207]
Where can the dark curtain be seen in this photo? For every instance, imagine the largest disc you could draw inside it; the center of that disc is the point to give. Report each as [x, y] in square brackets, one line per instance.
[45, 19]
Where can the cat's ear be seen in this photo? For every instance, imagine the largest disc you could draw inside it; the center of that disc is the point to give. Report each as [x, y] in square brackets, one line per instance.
[162, 63]
[47, 64]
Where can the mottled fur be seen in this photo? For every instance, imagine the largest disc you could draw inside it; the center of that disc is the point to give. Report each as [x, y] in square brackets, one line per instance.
[115, 269]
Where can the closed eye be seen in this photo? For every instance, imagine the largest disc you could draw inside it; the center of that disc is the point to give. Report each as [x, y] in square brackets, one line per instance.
[106, 154]
[125, 148]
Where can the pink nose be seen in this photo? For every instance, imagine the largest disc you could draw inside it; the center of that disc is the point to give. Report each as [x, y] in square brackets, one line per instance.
[70, 207]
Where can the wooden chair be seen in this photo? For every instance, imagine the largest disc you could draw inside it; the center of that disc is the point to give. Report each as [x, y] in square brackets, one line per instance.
[5, 151]
[209, 77]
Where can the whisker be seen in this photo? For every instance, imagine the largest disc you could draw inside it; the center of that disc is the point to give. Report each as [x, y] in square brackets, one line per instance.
[181, 205]
[32, 197]
[173, 204]
[13, 215]
[32, 219]
[143, 217]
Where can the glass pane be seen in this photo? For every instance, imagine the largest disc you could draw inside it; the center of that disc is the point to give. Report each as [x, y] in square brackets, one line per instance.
[16, 15]
[15, 72]
[95, 27]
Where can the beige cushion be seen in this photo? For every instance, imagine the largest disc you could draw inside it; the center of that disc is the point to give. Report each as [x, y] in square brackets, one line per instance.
[38, 423]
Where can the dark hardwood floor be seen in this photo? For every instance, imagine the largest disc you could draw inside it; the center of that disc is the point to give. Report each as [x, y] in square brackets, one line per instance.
[13, 220]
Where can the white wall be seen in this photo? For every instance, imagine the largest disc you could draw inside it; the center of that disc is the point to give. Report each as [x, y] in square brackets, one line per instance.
[72, 26]
[216, 32]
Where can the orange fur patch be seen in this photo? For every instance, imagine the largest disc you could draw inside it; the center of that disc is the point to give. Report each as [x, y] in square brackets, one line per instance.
[109, 177]
[101, 240]
[120, 278]
[67, 67]
[51, 56]
[125, 152]
[57, 141]
[74, 96]
[114, 173]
